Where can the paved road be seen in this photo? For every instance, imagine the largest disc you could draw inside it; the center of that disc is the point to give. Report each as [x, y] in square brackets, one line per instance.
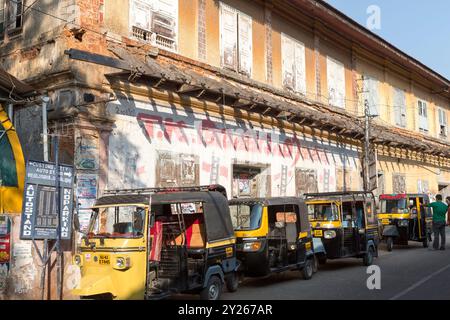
[411, 272]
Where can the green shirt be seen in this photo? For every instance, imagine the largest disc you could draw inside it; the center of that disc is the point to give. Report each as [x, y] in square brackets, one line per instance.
[439, 211]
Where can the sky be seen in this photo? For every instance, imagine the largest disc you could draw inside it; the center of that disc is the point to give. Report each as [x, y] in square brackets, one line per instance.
[419, 28]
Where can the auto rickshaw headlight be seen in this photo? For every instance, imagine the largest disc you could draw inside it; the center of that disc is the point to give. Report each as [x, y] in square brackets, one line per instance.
[77, 260]
[329, 234]
[252, 246]
[122, 263]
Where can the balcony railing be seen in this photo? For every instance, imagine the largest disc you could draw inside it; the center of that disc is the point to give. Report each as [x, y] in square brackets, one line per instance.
[154, 38]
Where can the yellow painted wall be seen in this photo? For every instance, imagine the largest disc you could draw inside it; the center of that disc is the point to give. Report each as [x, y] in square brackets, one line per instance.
[188, 28]
[413, 171]
[11, 197]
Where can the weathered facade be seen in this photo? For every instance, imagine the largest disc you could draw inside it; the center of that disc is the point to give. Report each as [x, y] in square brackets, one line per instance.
[264, 97]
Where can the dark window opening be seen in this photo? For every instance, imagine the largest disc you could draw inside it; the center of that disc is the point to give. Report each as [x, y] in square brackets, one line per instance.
[8, 172]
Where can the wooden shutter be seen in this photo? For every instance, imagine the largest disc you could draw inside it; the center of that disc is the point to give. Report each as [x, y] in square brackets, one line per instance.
[399, 107]
[300, 68]
[2, 17]
[228, 36]
[371, 94]
[336, 82]
[165, 18]
[288, 57]
[305, 181]
[245, 44]
[423, 115]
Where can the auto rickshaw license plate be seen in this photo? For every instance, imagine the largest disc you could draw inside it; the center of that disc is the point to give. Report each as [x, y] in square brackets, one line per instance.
[385, 221]
[104, 259]
[318, 233]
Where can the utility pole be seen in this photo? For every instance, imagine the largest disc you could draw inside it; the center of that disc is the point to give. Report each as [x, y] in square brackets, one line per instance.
[366, 145]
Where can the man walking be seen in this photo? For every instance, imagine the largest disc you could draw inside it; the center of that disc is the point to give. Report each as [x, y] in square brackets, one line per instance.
[439, 212]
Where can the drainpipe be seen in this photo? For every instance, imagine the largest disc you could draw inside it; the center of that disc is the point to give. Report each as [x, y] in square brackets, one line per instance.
[45, 101]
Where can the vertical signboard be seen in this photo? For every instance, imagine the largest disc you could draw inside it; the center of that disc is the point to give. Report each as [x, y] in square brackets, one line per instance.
[39, 214]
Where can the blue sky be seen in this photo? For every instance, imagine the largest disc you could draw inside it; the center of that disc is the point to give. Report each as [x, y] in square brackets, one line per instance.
[419, 28]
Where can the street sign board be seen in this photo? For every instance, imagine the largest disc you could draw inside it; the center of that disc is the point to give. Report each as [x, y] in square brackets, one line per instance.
[39, 213]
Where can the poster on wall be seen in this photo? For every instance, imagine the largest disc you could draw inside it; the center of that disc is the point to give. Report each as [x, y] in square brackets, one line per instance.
[5, 250]
[86, 195]
[86, 153]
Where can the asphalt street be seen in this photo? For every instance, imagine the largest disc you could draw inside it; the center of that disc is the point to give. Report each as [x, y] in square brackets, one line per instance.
[408, 272]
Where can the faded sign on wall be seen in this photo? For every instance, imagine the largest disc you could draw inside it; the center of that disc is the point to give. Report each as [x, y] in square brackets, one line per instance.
[86, 152]
[86, 195]
[24, 270]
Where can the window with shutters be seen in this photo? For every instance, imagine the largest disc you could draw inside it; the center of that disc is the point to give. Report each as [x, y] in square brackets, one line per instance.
[423, 116]
[293, 66]
[236, 40]
[156, 22]
[423, 186]
[305, 181]
[399, 107]
[343, 179]
[15, 17]
[398, 183]
[442, 115]
[336, 83]
[2, 19]
[176, 169]
[370, 94]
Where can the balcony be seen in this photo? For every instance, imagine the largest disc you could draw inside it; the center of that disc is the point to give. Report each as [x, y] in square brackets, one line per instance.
[154, 38]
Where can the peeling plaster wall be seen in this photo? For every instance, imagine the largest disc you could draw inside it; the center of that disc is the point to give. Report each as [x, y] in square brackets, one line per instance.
[143, 128]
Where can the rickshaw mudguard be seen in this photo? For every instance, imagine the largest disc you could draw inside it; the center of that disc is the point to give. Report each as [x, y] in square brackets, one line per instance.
[92, 285]
[318, 246]
[390, 231]
[213, 270]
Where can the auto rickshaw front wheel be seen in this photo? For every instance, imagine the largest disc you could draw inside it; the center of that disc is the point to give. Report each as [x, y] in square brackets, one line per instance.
[232, 282]
[308, 269]
[390, 243]
[213, 289]
[368, 257]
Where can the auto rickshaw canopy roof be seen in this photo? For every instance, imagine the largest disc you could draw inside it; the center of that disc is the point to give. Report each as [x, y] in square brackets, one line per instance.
[277, 201]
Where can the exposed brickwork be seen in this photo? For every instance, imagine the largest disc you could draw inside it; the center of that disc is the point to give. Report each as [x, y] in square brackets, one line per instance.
[268, 29]
[88, 35]
[202, 29]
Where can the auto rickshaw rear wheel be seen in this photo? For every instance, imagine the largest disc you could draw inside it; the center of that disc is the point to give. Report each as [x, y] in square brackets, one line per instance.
[368, 257]
[390, 243]
[307, 271]
[315, 264]
[232, 282]
[213, 289]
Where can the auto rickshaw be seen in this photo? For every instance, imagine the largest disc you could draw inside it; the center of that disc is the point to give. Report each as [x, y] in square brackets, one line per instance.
[151, 243]
[273, 235]
[347, 224]
[404, 218]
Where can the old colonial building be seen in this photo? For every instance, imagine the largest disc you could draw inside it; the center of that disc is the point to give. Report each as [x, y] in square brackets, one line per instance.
[264, 97]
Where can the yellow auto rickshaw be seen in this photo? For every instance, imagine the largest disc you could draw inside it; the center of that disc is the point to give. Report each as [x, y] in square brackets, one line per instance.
[346, 222]
[273, 235]
[151, 243]
[404, 218]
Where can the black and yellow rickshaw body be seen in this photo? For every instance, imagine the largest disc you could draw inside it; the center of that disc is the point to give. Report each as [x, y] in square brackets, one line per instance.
[341, 238]
[255, 247]
[413, 223]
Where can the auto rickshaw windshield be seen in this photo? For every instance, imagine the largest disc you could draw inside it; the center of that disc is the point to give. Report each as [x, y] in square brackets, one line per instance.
[117, 222]
[323, 212]
[393, 206]
[246, 216]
